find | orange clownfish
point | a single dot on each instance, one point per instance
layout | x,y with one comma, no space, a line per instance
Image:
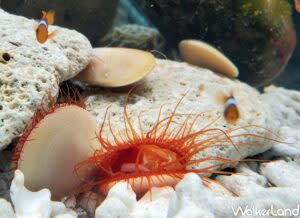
42,28
231,112
297,5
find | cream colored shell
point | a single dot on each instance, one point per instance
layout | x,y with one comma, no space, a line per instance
116,67
60,141
203,55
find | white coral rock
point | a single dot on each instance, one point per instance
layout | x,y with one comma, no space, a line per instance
192,199
282,173
254,191
118,203
35,204
32,70
188,200
285,106
121,202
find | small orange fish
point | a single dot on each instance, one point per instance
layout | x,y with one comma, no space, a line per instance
231,111
297,5
42,28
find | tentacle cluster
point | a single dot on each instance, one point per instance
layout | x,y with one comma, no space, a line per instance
167,150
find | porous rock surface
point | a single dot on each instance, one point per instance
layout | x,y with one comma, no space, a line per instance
29,70
285,107
167,83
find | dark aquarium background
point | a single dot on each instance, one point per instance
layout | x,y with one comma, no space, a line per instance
290,76
259,36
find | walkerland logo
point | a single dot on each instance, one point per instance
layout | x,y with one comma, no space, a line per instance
272,211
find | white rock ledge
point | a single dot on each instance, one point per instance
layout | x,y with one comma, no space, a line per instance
285,108
33,69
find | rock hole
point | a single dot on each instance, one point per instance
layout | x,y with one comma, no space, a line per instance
24,84
6,56
182,83
37,87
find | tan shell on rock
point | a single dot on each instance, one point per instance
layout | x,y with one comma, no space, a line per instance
58,142
203,55
116,67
